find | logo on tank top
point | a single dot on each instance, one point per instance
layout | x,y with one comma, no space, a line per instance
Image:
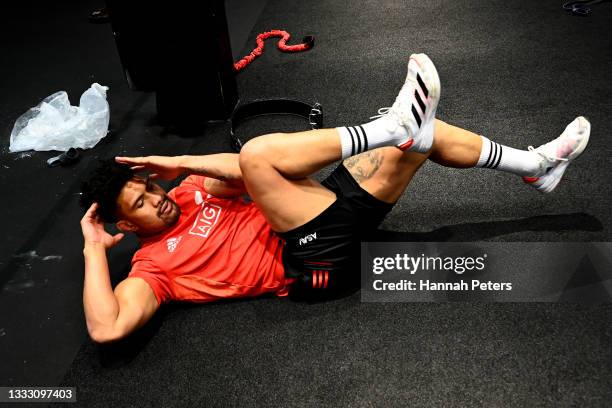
206,220
172,243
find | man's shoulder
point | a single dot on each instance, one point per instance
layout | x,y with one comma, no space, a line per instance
148,250
144,261
160,252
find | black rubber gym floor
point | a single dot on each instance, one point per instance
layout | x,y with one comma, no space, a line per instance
516,71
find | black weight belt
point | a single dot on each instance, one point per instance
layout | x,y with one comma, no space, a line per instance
313,113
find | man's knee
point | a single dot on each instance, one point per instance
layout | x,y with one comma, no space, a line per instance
255,151
260,151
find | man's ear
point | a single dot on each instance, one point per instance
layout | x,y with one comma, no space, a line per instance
126,226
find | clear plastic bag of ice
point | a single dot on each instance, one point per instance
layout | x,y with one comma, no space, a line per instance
56,125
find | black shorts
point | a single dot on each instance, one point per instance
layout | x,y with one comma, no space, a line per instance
325,252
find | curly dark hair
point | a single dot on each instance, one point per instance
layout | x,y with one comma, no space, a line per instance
103,186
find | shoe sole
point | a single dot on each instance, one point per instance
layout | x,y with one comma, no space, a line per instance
584,142
551,183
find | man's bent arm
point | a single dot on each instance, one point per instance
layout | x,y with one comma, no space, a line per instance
112,315
222,170
224,177
220,166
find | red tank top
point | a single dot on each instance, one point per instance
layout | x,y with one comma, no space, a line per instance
219,248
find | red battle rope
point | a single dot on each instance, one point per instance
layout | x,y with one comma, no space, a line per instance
308,43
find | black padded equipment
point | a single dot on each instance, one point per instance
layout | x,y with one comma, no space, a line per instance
259,107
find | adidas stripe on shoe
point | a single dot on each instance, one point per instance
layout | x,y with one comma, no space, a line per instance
416,104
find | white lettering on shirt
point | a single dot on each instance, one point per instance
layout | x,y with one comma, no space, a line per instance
206,220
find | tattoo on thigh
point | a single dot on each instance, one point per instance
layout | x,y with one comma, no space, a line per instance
364,165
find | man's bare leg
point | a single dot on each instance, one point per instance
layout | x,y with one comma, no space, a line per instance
455,147
386,172
275,168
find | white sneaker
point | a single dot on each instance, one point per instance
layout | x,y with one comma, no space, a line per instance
557,155
415,105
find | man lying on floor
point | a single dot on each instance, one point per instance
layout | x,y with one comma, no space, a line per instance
204,240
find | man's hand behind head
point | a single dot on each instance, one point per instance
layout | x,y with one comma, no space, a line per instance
94,232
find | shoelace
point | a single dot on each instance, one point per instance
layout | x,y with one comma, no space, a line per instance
400,112
381,112
400,115
547,157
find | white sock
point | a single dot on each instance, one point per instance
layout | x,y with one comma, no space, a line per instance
358,139
504,158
